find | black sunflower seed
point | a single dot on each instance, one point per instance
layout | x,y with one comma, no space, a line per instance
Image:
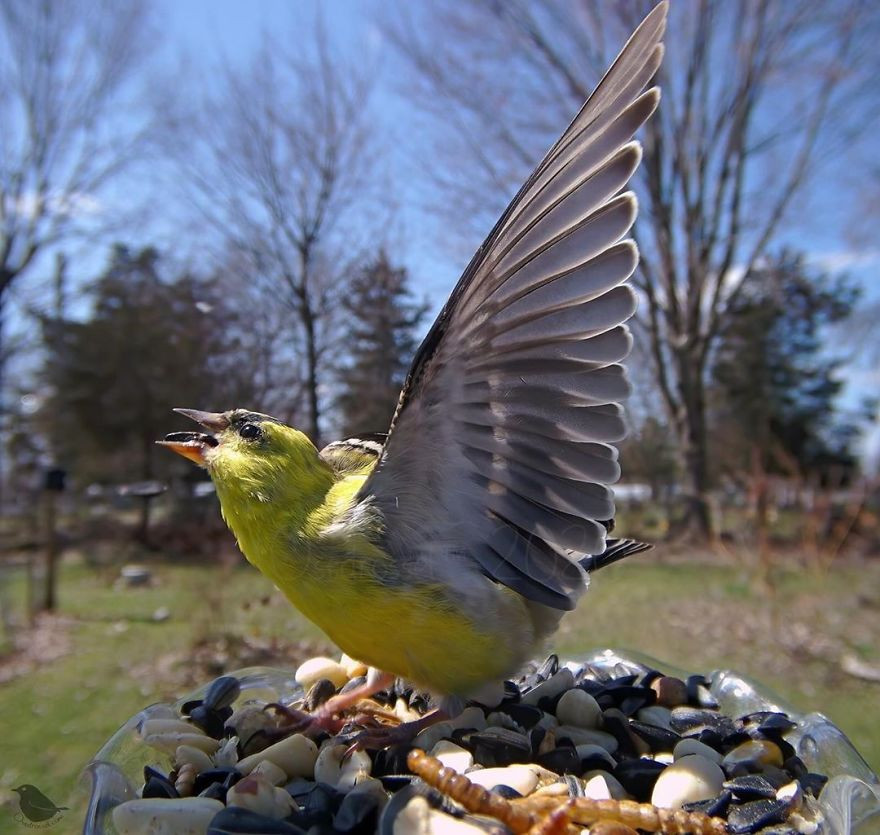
714,806
750,787
638,776
750,817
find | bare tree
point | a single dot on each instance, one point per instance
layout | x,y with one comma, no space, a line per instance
63,67
277,161
756,94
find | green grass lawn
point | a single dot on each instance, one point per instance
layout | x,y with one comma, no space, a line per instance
117,659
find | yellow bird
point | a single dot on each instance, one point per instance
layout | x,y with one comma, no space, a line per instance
448,550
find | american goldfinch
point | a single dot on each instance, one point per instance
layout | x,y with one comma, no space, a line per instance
447,550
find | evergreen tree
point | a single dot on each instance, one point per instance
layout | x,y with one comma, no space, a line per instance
150,344
383,320
776,382
648,454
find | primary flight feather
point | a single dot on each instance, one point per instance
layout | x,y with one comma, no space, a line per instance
448,550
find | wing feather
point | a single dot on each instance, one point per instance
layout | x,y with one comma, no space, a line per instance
578,321
565,355
499,456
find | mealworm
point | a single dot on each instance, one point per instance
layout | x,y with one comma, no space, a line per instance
525,814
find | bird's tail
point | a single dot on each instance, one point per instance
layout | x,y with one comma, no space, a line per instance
615,549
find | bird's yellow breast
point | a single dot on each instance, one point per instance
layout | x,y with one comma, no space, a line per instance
347,585
415,631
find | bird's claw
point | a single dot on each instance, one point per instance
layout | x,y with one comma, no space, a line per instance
309,724
376,738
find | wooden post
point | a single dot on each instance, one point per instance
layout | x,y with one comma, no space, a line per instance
54,485
31,601
49,595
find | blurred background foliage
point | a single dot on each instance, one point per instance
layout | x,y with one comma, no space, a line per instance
275,227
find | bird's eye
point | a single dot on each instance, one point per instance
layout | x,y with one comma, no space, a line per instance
250,431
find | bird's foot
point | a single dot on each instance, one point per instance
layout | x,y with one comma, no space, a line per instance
384,736
303,722
330,716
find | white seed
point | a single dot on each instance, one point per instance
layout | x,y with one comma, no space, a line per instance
317,668
453,756
165,816
404,712
296,755
419,818
806,826
167,726
328,765
523,778
600,785
791,793
552,790
186,778
167,734
273,773
355,769
687,780
353,668
553,686
578,708
193,756
256,793
686,747
168,743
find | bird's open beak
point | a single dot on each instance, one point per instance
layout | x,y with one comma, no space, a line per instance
193,445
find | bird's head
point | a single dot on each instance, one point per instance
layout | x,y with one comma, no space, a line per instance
254,460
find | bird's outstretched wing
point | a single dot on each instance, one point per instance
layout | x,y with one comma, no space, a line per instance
500,443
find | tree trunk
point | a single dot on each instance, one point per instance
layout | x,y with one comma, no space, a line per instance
142,532
690,425
312,375
760,508
699,522
4,281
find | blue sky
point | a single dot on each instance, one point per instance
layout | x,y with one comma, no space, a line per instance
211,30
208,28
208,32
